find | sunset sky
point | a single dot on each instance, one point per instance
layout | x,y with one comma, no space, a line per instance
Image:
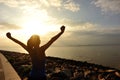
88,22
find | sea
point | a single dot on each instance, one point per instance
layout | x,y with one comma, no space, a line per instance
108,56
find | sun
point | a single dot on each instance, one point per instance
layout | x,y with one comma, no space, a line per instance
39,22
36,27
36,21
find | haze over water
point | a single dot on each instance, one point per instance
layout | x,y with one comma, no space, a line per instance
104,55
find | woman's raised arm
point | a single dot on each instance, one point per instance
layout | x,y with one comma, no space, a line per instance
55,37
16,41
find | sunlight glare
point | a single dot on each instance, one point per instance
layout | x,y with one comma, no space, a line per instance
37,27
38,22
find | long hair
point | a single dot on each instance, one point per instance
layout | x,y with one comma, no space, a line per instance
34,41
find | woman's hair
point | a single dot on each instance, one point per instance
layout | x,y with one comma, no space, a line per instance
34,41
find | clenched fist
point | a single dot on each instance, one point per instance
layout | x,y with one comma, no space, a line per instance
8,34
62,28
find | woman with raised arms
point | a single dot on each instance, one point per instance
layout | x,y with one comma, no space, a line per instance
37,53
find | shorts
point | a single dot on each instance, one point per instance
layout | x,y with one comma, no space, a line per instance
37,75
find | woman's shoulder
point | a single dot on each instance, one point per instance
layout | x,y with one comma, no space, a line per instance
42,47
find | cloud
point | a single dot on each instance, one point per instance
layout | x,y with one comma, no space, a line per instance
55,3
108,6
84,33
10,3
20,3
92,37
88,27
61,4
8,26
72,6
77,25
38,4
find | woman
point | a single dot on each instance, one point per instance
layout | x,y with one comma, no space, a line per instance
37,53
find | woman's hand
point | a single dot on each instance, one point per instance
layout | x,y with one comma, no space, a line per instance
8,34
62,28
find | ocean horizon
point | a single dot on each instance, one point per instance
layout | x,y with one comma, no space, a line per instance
108,56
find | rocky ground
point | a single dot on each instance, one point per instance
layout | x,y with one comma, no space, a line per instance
73,70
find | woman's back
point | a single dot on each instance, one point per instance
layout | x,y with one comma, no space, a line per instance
37,53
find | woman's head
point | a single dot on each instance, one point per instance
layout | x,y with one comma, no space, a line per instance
34,41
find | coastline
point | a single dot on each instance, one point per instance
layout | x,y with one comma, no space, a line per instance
22,64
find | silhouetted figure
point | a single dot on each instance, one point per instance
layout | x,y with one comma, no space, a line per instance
37,53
